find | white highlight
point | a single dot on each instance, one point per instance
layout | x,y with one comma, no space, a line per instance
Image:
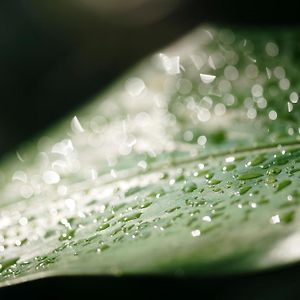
207,78
76,125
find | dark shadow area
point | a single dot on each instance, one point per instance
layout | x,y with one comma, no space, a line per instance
274,285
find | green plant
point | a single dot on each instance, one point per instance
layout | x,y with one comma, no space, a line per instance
188,165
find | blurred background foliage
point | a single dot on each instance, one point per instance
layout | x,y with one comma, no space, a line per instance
55,55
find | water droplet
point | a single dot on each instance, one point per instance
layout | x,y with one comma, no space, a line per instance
230,159
269,73
244,190
229,167
283,184
275,219
134,86
231,73
19,176
67,235
209,175
145,204
206,78
103,226
214,182
249,175
274,171
257,160
170,64
288,217
102,248
51,177
5,264
272,115
172,209
272,49
195,233
206,218
76,125
130,217
189,187
294,97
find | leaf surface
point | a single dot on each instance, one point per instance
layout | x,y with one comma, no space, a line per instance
189,164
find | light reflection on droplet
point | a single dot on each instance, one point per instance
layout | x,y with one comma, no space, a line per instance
62,190
51,177
224,86
202,140
290,106
170,64
294,97
275,219
220,109
203,115
206,218
229,99
19,176
231,73
279,72
195,233
211,63
23,221
65,147
188,136
201,166
251,71
184,86
20,158
269,73
273,115
230,159
272,49
291,131
251,113
197,61
26,191
257,90
70,204
76,125
261,102
207,78
142,164
226,36
284,84
134,86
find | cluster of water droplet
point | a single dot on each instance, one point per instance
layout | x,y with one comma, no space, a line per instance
110,176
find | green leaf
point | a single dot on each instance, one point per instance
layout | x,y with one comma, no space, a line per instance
188,165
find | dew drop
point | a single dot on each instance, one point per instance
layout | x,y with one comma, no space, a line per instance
134,86
272,49
272,115
206,78
249,175
257,160
76,125
130,217
275,219
103,226
189,187
283,184
244,190
170,64
51,177
195,233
